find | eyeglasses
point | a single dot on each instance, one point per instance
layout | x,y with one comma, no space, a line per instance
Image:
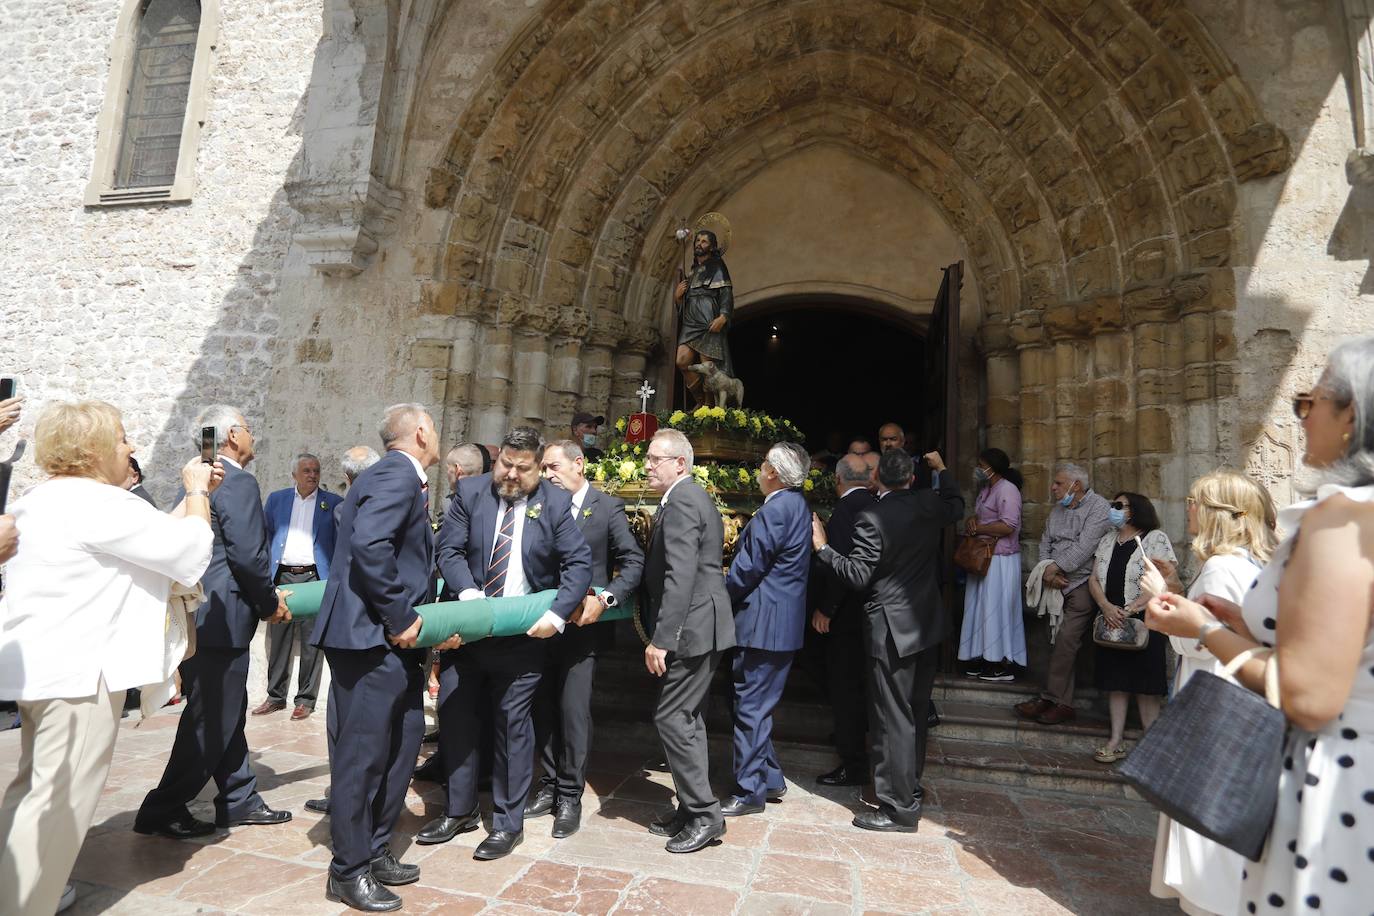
1302,403
652,461
1190,501
1119,504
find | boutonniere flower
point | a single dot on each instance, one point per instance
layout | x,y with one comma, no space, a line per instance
324,504
587,512
533,511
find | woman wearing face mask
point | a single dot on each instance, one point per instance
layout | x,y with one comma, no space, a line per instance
1230,521
993,635
1115,588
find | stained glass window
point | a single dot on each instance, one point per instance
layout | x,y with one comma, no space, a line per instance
164,50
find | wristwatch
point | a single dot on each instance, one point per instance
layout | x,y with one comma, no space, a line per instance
608,599
1207,630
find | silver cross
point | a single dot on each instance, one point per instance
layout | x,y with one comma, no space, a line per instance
644,392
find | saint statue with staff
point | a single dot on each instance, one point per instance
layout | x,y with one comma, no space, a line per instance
707,304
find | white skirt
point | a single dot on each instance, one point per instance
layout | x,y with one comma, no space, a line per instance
994,628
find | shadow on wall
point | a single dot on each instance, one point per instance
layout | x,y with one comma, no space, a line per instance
238,352
1352,239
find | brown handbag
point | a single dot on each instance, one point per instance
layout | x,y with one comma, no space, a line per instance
974,554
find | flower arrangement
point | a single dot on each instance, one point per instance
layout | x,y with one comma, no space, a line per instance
615,472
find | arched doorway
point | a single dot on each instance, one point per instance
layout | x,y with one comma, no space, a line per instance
835,368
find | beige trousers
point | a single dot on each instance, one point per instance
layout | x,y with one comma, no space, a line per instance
65,751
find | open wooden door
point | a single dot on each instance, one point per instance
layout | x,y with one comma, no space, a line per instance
944,425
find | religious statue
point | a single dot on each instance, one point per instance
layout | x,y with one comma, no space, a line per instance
707,302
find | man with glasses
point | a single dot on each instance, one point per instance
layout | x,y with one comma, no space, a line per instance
690,623
239,593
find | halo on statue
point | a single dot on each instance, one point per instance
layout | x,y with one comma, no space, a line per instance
717,223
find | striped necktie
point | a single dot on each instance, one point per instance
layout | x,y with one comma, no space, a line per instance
500,554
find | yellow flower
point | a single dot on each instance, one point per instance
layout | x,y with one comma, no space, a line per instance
718,413
808,484
638,449
743,475
740,418
676,417
702,474
620,424
769,422
757,426
600,474
815,472
626,470
702,412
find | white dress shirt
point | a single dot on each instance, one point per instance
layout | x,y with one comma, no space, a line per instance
579,498
299,549
663,500
87,593
516,585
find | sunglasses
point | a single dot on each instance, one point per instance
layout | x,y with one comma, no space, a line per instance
1302,403
1120,504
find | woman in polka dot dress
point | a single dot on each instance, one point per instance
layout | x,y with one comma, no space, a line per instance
1312,603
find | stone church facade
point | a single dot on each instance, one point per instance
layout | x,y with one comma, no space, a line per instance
1160,205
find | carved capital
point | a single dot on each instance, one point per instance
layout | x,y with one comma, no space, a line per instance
1359,167
995,339
1027,329
1066,320
574,322
344,221
1148,304
640,338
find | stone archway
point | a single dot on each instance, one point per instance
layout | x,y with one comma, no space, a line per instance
1087,153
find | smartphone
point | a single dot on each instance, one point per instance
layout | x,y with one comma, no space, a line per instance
207,444
9,387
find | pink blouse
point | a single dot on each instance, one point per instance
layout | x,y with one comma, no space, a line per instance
1001,502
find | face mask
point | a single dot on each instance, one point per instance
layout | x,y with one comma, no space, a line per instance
1117,517
589,440
1067,500
980,475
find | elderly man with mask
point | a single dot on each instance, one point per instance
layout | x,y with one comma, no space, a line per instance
1077,522
461,461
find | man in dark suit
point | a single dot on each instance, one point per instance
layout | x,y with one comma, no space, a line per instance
507,533
300,524
382,569
894,560
563,711
238,593
839,620
767,585
134,483
689,622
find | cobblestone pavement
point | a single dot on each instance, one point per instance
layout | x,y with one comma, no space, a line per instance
980,849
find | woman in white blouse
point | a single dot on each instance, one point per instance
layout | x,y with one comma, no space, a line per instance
1231,523
82,620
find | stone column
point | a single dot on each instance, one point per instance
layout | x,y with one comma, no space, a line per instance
464,303
1157,341
636,343
492,385
1036,371
1002,369
597,365
532,327
1113,398
565,371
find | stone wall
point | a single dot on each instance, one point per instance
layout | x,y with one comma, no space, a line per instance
157,309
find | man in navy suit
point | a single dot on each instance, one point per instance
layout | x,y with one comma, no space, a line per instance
767,586
507,533
382,569
300,524
564,714
238,593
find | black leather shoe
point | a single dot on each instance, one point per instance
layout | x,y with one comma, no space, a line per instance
178,828
879,820
443,829
260,816
542,802
430,737
430,770
843,776
737,807
568,818
361,893
696,836
932,717
388,870
498,844
775,795
667,823
320,805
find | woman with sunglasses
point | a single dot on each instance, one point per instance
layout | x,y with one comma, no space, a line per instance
1312,602
1115,587
1231,523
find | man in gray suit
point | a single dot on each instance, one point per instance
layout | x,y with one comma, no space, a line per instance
690,623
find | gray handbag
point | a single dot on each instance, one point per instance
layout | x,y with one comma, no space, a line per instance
1132,635
1212,759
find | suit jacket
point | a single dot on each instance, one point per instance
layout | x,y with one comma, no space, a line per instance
383,562
895,560
552,550
841,604
143,494
688,609
768,577
278,513
238,582
607,532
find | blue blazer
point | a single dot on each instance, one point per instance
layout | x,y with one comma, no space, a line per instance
278,512
383,563
552,550
238,582
767,579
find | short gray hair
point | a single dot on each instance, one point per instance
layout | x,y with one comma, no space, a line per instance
354,463
678,445
852,469
468,457
400,420
790,461
303,456
570,449
223,418
1349,376
1074,471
